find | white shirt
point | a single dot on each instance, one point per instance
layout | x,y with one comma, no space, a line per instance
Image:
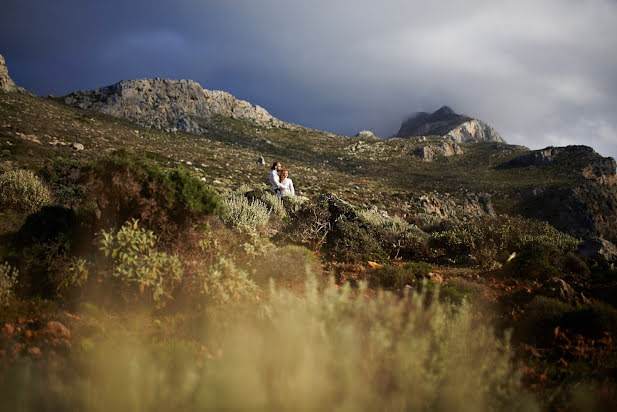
288,188
275,180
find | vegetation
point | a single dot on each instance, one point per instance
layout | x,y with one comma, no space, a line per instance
22,191
138,266
8,280
182,280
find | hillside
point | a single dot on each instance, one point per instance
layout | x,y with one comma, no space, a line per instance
138,240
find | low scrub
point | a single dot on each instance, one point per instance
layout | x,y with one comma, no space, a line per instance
240,213
288,266
329,350
8,281
141,270
484,240
543,314
224,282
22,191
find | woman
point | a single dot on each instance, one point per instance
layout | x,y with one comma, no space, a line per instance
287,188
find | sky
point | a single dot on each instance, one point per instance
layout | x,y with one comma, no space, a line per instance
540,72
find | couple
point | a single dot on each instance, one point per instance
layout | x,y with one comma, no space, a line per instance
280,181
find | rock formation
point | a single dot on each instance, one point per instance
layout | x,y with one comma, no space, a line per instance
445,122
586,209
365,134
6,83
429,152
169,104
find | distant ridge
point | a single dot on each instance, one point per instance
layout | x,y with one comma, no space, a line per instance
169,104
445,122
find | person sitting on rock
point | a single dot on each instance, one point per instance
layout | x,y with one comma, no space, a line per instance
287,183
275,180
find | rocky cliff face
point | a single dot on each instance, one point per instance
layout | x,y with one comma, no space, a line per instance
587,209
445,122
431,151
169,104
6,83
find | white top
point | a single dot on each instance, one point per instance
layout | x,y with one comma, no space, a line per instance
288,188
275,180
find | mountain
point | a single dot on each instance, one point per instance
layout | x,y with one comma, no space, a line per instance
573,188
6,83
169,104
445,122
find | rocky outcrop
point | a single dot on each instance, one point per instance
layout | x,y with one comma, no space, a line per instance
431,151
588,206
580,159
169,104
365,134
6,83
445,122
444,206
599,249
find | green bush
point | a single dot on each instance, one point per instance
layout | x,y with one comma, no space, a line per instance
486,239
543,314
22,191
350,242
137,264
121,185
396,277
224,282
392,277
238,212
397,237
8,281
287,266
543,261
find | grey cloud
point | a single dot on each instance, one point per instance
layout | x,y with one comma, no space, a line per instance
540,72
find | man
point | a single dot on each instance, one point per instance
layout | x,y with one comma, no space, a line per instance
275,179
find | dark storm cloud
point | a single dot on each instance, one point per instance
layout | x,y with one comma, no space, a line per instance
540,72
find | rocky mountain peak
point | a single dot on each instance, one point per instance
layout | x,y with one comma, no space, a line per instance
6,83
446,122
169,104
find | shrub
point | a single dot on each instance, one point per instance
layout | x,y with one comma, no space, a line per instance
396,277
293,203
226,283
488,238
273,202
121,186
22,191
543,314
238,212
138,265
349,242
287,266
392,277
330,350
8,281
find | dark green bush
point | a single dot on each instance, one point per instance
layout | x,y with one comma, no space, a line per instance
484,240
350,242
392,277
121,185
543,314
396,277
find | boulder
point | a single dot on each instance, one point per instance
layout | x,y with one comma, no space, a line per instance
365,134
431,151
600,249
77,146
560,289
